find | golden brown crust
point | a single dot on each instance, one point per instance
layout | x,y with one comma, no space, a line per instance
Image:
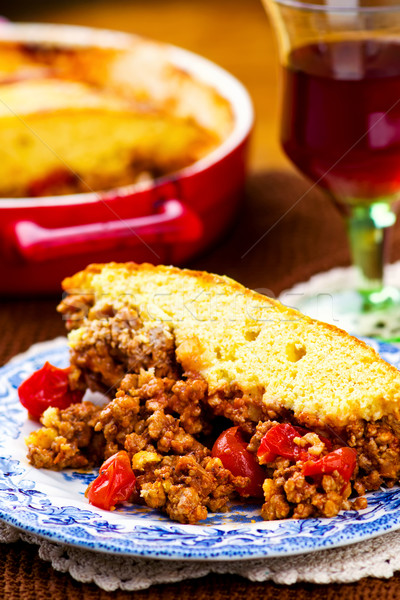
82,279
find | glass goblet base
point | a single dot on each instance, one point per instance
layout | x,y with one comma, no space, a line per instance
375,315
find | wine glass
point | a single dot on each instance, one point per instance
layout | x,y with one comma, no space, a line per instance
341,127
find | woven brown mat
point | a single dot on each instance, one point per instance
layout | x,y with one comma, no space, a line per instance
24,576
292,235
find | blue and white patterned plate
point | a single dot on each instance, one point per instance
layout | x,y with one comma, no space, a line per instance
53,505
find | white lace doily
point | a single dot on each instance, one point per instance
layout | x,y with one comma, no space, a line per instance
377,557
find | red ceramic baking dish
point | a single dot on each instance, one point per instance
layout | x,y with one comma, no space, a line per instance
166,220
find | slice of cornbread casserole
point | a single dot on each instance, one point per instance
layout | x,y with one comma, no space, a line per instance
187,357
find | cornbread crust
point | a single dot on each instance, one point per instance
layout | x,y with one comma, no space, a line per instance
237,339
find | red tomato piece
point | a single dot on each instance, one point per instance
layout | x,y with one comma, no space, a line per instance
115,484
231,449
342,460
49,386
279,441
302,431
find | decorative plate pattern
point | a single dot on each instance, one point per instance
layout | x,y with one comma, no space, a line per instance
53,505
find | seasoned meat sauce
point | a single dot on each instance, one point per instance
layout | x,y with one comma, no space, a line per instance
164,419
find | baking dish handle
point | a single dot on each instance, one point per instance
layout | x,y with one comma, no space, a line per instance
174,223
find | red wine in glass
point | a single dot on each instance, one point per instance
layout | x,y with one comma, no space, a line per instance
341,116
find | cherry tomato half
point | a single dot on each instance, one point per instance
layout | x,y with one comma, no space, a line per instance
342,460
279,441
231,449
49,386
115,484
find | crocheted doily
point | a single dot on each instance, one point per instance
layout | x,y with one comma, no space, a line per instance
377,557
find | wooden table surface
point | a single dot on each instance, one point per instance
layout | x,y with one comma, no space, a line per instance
304,238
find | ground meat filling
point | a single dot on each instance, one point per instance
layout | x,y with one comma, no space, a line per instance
117,343
156,414
240,408
289,493
185,488
162,422
155,420
378,451
67,439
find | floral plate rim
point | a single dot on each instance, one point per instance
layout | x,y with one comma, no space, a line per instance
27,504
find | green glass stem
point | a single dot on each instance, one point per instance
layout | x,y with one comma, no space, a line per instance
367,228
